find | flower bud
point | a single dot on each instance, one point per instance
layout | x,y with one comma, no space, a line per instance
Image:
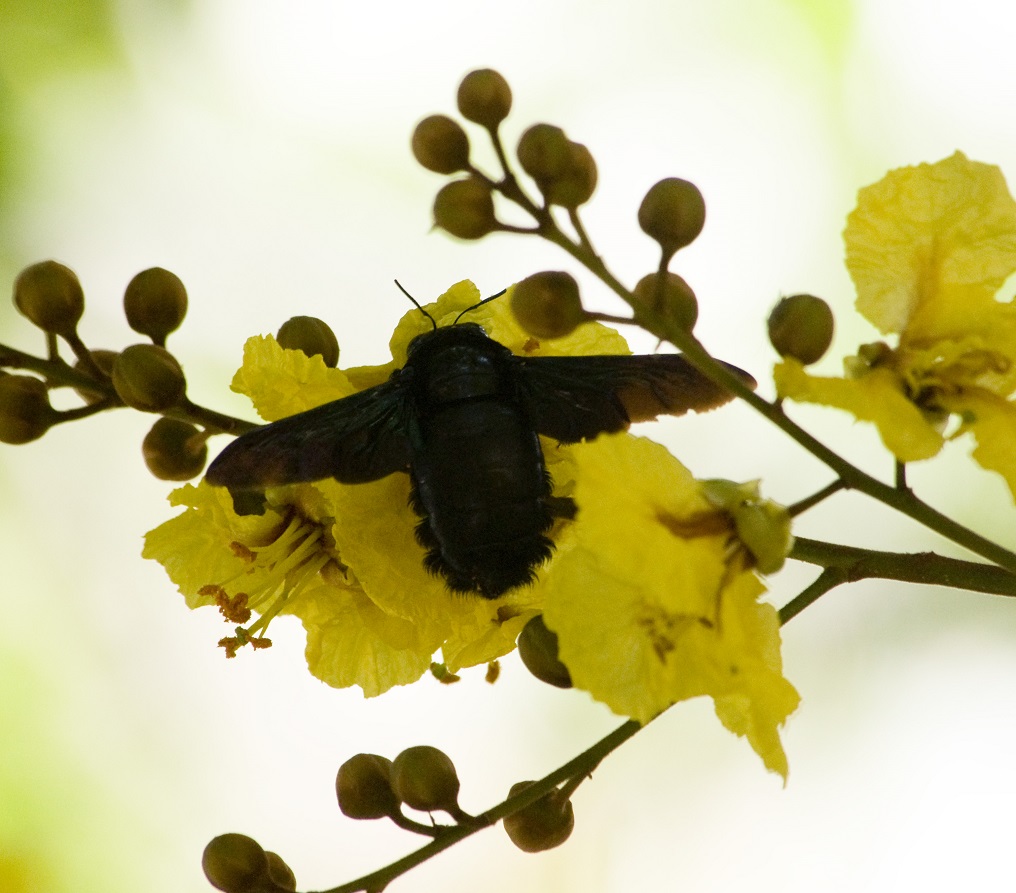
234,863
673,213
279,872
25,410
675,302
148,377
364,787
155,303
484,98
174,450
50,295
424,778
538,650
544,153
801,326
465,208
542,825
762,526
311,335
547,304
576,183
441,145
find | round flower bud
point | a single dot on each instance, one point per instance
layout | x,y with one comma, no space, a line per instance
762,526
174,450
364,787
576,182
465,208
547,304
545,153
675,302
542,825
424,778
234,863
311,335
538,650
441,145
279,872
673,213
25,411
801,326
50,295
155,303
104,359
148,377
484,98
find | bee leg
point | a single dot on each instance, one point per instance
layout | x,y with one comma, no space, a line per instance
563,507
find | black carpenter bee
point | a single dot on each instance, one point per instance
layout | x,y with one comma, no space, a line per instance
462,418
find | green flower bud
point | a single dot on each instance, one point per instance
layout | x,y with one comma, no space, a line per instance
548,304
104,359
279,872
25,410
544,153
311,335
364,787
155,303
762,526
673,213
440,144
149,378
576,183
675,302
234,863
424,778
542,825
465,208
485,98
50,295
801,326
538,650
174,450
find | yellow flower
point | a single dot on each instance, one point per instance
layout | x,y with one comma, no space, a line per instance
656,602
344,558
929,248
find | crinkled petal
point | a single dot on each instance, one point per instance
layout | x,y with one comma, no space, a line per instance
649,609
992,421
874,397
350,641
929,246
284,382
194,547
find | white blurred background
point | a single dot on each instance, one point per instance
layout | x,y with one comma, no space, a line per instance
260,150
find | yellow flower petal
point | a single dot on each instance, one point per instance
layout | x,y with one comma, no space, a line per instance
652,605
929,246
350,641
992,421
284,382
874,397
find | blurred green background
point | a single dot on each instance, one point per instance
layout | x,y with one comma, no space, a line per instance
260,150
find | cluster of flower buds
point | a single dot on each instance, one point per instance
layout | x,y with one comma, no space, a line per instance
143,376
369,786
236,863
548,304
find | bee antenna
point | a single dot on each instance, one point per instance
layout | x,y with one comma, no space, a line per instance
480,304
417,304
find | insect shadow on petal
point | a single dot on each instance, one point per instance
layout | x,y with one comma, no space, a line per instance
462,418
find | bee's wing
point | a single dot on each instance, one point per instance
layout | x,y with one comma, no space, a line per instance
575,398
357,439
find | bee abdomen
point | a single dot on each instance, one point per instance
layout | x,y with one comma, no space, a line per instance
480,487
